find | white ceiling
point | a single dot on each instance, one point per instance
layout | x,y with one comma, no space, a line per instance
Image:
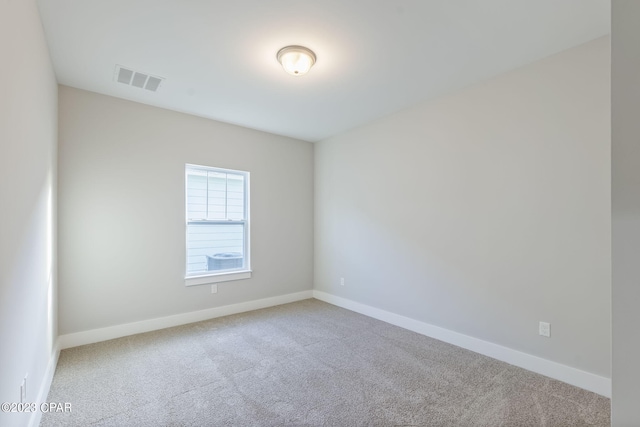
375,57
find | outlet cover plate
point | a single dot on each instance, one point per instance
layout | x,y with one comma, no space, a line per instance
545,329
23,390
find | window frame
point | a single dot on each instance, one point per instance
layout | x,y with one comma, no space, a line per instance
209,277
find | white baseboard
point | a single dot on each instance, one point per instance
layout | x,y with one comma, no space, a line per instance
45,385
558,371
117,331
573,376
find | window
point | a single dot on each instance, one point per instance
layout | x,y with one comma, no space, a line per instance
217,225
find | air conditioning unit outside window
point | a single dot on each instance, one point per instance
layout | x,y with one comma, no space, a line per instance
224,261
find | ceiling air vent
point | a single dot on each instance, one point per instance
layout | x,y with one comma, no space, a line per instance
138,79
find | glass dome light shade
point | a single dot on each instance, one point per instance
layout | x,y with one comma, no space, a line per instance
296,60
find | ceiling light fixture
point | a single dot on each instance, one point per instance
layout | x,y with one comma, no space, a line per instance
296,60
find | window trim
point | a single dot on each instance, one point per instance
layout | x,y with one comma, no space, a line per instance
208,279
224,275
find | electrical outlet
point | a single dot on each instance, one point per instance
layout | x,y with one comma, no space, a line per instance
545,329
214,289
23,389
342,281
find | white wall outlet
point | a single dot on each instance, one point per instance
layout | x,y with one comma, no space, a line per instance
23,389
214,289
544,329
342,281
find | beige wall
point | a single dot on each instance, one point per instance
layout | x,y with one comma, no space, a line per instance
626,212
483,212
28,123
121,225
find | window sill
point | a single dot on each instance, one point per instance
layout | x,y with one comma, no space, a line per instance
217,278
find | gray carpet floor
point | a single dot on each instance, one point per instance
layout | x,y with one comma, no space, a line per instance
304,364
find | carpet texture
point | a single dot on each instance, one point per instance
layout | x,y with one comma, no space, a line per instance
304,364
